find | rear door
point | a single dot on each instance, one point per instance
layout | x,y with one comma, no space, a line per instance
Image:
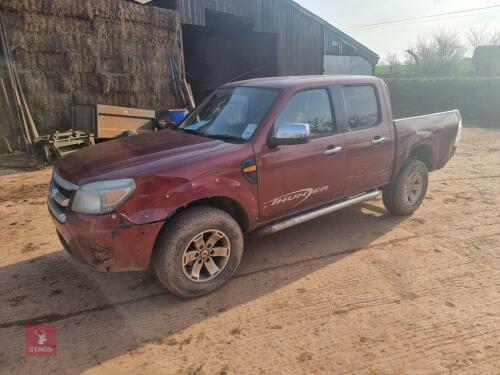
369,139
297,177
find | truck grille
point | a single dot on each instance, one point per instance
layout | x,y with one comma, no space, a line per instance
61,193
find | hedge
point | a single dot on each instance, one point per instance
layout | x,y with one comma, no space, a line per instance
478,99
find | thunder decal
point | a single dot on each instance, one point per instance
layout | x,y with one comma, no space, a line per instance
297,197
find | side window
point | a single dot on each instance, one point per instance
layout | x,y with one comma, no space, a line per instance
310,107
361,107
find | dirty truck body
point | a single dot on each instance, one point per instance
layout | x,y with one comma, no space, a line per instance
257,156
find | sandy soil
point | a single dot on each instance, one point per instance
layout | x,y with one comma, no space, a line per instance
359,291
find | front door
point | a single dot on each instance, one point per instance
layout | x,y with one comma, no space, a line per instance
297,177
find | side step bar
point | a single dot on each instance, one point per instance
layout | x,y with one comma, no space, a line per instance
285,224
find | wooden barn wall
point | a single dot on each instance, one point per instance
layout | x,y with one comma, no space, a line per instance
264,12
329,37
300,43
295,27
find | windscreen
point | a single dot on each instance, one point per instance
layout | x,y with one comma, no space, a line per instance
232,113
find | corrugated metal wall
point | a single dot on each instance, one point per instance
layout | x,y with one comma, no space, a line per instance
300,44
296,28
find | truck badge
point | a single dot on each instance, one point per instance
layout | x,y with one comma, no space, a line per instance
299,196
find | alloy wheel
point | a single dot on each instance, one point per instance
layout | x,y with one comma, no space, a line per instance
206,255
413,188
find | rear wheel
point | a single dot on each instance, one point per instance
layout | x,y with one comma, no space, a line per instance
198,251
404,195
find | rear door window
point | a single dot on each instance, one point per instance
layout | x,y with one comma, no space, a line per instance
361,107
310,107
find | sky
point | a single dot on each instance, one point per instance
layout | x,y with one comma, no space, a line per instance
395,38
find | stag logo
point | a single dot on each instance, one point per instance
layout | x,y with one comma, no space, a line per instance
297,197
40,340
42,336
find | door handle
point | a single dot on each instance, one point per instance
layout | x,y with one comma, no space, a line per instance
332,150
378,140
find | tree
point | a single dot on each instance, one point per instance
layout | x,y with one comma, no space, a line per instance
495,39
437,55
477,35
448,50
392,61
481,35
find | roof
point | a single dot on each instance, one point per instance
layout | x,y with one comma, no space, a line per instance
303,81
487,51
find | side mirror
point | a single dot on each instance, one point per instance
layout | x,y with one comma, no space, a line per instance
291,134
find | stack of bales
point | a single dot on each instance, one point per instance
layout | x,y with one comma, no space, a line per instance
92,51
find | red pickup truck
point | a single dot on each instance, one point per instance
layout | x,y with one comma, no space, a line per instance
256,156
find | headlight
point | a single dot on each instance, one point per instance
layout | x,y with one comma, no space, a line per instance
102,197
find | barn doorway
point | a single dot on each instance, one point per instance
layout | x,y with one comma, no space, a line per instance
224,49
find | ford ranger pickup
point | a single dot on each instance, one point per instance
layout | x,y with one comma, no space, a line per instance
256,156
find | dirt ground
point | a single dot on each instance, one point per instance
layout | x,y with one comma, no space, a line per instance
358,291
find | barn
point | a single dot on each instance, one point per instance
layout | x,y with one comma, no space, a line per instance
224,39
117,52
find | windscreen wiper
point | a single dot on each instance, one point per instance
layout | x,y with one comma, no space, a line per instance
222,137
225,137
191,131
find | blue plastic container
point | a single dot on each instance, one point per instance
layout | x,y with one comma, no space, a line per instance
177,115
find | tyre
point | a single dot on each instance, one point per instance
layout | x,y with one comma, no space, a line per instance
198,251
404,195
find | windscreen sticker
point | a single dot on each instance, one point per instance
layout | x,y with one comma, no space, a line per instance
250,129
197,125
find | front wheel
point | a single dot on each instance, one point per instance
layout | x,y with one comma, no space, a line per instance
404,195
198,251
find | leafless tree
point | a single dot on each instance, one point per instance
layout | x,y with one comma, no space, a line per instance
393,62
437,55
392,59
495,39
481,35
447,48
477,35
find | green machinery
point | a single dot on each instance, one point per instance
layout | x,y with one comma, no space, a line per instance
56,145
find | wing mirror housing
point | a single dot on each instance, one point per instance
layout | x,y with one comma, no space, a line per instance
291,134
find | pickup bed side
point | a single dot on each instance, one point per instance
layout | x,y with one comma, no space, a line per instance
430,138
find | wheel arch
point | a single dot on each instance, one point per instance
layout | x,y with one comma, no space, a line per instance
226,204
424,153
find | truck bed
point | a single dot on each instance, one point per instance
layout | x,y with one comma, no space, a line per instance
439,132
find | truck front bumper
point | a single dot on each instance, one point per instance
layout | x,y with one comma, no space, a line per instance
108,243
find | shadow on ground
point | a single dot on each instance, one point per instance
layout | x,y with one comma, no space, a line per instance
102,316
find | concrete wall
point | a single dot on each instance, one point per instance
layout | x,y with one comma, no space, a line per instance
91,51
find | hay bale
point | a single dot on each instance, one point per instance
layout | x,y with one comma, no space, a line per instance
92,51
